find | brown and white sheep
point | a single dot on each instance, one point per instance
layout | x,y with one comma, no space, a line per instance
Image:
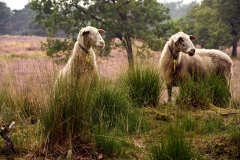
181,60
83,59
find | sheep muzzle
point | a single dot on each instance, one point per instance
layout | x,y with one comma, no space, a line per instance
191,52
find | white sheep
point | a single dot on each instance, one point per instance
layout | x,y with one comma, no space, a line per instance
83,59
180,60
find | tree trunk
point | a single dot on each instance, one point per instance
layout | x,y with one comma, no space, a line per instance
234,49
234,44
128,45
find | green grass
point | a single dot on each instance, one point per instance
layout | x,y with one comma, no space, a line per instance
207,125
144,85
81,111
174,146
210,89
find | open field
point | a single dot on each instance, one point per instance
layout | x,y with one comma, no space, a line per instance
25,69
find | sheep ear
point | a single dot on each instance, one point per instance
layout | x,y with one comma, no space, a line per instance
192,37
101,31
176,38
84,31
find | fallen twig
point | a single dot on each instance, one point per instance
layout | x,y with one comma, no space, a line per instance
10,151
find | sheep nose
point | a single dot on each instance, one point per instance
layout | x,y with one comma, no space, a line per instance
102,42
193,50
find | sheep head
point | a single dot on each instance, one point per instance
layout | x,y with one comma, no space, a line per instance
91,37
183,43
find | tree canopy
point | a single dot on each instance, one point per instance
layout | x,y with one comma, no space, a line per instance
5,14
19,22
22,22
127,20
215,23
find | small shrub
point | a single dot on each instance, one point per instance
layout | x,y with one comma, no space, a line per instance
144,85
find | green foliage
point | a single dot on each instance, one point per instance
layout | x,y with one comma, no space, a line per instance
115,17
210,89
211,27
175,146
60,49
144,85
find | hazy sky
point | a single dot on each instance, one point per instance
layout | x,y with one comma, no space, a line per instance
19,4
15,4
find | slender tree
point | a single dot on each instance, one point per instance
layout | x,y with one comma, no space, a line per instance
127,20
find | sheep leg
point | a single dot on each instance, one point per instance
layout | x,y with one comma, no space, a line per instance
169,89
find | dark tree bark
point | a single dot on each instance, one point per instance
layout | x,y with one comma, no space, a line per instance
126,40
234,49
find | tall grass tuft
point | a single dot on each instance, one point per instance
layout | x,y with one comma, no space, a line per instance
219,91
66,115
81,111
176,146
113,108
144,85
198,94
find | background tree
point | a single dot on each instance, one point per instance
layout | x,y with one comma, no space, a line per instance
127,20
5,13
22,22
229,13
210,22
